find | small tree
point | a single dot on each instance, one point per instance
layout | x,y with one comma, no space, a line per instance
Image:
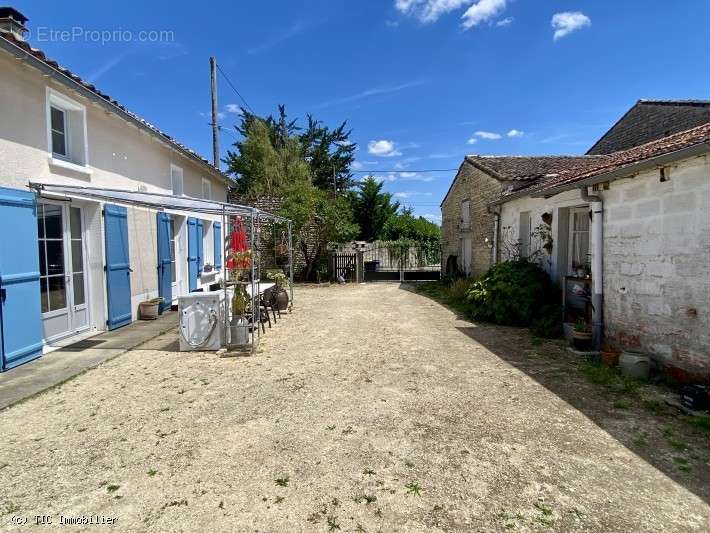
317,220
372,208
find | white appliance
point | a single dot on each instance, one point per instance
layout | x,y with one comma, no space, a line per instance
201,317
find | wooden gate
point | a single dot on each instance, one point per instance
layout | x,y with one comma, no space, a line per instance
344,264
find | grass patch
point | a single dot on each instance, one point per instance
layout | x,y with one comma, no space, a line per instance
610,378
622,403
152,472
682,464
112,488
369,472
332,523
413,488
700,422
282,481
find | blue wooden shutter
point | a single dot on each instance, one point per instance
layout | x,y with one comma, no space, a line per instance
192,253
200,245
165,267
20,311
118,266
217,245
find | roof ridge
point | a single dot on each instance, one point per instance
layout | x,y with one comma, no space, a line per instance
40,56
666,139
671,101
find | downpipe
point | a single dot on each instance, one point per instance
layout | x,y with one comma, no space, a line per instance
597,241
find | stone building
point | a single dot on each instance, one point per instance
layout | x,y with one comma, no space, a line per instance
625,233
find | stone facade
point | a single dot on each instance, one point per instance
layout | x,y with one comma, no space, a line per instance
479,188
656,260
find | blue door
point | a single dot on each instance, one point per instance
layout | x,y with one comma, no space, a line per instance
192,253
118,266
200,246
165,266
20,311
217,228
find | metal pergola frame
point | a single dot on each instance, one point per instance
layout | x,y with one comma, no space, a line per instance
163,202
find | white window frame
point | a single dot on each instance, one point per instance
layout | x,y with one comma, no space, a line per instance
77,158
67,138
206,183
570,243
525,233
181,173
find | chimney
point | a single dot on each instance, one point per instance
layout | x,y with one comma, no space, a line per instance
12,21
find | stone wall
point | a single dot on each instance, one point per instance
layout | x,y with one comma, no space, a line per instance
480,188
657,264
269,236
656,260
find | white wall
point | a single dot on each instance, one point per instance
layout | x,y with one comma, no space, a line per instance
120,156
656,259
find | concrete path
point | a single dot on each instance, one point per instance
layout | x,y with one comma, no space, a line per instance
62,364
370,408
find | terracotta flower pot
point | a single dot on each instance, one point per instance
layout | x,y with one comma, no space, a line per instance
582,340
610,358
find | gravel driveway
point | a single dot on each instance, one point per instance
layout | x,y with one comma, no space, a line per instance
370,408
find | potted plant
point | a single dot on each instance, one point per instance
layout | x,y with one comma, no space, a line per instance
149,308
239,265
582,336
280,293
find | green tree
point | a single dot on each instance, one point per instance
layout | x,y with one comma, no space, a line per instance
326,153
406,226
317,220
329,154
372,208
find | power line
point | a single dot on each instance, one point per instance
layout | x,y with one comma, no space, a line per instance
229,82
397,171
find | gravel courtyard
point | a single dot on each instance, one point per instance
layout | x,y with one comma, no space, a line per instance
370,408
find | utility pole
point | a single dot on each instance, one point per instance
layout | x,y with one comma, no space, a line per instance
215,125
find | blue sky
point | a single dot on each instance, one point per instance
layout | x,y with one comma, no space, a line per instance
421,82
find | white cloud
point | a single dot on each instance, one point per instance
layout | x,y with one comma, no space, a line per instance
515,133
488,135
482,11
567,22
356,165
504,22
472,140
381,178
234,108
431,217
414,176
428,10
375,91
383,148
409,194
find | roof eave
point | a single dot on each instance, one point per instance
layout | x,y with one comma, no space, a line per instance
627,170
48,70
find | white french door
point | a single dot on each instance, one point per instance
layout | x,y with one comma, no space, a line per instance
63,275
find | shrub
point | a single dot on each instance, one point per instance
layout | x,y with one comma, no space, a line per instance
514,293
548,322
458,289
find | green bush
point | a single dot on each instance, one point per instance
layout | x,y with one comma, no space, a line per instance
548,322
457,290
514,293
